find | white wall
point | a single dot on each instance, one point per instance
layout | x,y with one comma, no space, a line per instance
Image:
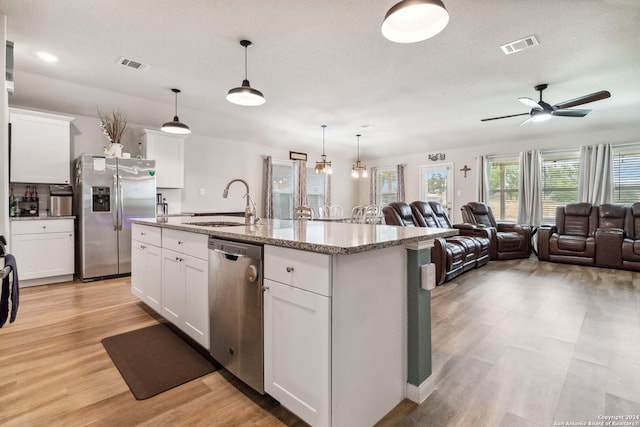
465,187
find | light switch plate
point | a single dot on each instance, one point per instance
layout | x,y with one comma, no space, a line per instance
428,279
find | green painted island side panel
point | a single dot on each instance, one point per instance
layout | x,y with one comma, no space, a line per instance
419,319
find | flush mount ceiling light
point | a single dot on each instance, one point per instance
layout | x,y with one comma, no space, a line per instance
47,57
323,166
175,126
245,94
357,170
412,21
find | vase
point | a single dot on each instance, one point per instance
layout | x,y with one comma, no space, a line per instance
114,150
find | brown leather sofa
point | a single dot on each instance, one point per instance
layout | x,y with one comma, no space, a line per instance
453,255
603,236
508,240
631,242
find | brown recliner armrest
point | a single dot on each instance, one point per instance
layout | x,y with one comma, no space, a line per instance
609,247
544,234
523,229
439,258
480,230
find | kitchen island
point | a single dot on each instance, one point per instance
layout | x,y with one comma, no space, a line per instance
346,322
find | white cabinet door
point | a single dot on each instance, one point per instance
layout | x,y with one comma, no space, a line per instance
44,255
196,314
49,136
297,351
173,286
168,152
146,274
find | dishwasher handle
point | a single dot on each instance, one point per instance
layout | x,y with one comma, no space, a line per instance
228,255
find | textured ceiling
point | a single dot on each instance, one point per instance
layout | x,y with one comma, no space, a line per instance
325,61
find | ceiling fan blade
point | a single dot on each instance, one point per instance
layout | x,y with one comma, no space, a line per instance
504,117
571,113
525,122
530,103
597,96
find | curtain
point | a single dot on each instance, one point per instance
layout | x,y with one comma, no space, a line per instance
482,179
327,191
400,190
529,191
595,179
301,194
372,186
267,187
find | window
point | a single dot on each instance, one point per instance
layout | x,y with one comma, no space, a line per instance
436,185
284,179
560,171
626,174
386,186
316,185
504,176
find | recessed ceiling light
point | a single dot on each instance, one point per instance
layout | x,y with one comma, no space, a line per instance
47,57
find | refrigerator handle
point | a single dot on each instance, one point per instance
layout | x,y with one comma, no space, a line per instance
114,198
120,204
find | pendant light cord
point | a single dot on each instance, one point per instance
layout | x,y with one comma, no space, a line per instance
176,103
323,127
358,136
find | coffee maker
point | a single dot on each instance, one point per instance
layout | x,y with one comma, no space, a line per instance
162,207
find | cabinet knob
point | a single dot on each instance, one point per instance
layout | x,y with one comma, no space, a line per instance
143,247
265,288
179,242
44,227
289,269
142,234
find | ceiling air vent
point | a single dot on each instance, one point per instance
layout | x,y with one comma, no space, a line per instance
133,64
518,45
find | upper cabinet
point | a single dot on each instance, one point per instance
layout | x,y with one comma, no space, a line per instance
168,152
40,147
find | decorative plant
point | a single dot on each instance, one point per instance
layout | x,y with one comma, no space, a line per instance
113,125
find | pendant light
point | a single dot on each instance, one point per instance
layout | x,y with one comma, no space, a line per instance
245,94
175,126
323,166
357,170
412,21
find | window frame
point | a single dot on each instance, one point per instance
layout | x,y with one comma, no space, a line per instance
631,173
500,211
377,199
569,157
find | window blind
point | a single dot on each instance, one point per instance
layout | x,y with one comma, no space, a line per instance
626,175
559,182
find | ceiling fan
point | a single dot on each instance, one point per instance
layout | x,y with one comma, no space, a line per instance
541,111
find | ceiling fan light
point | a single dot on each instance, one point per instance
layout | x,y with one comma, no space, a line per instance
540,116
176,127
411,21
245,95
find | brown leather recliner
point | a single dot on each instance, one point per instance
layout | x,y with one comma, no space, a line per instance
483,242
399,213
609,235
631,242
508,240
448,256
572,239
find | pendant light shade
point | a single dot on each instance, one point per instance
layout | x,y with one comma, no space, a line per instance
412,21
175,126
245,95
358,170
323,166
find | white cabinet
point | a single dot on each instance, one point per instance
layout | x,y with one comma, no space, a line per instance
297,332
40,147
168,152
185,283
146,265
44,250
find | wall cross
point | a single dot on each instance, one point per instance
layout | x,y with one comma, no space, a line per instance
465,169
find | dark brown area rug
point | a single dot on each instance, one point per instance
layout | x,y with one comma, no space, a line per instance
155,359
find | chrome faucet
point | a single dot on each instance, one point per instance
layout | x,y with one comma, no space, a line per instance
250,215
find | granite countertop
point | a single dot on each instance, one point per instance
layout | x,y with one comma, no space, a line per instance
39,218
314,236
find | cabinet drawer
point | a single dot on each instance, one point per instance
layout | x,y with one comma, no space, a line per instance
147,234
310,271
37,226
193,244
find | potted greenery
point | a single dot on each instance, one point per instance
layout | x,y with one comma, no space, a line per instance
113,126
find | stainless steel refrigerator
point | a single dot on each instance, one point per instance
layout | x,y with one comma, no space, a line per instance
107,193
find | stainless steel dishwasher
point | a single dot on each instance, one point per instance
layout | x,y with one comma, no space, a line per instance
235,309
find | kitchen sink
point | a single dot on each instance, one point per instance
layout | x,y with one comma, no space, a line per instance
215,223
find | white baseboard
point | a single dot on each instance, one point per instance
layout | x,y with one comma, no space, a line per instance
419,394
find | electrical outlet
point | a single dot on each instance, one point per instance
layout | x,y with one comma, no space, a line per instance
202,191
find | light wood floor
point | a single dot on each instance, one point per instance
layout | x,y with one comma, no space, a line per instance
516,343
